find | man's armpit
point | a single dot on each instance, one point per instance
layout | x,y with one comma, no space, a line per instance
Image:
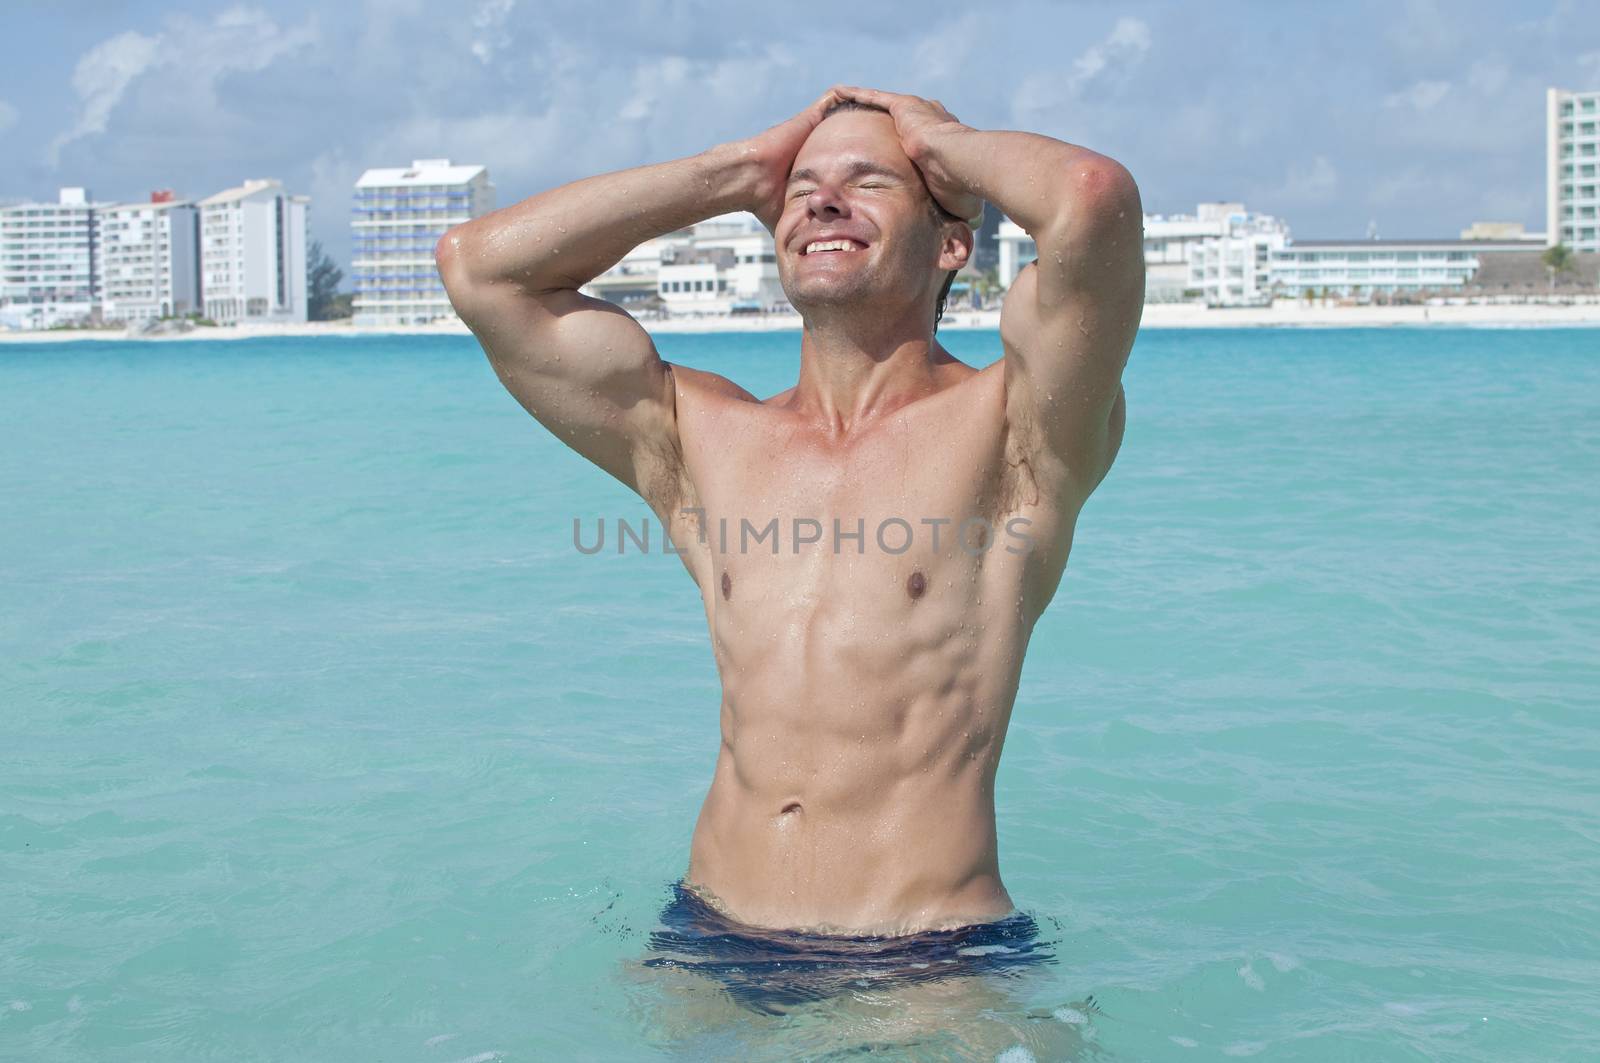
659,468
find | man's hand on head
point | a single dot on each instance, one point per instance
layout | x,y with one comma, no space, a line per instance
773,152
921,124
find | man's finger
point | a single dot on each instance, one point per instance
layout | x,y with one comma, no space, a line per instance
872,96
819,106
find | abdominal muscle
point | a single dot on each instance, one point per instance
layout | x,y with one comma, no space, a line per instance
858,797
865,698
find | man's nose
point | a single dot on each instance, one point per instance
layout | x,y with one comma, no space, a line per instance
825,201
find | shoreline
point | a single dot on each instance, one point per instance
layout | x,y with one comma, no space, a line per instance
1283,314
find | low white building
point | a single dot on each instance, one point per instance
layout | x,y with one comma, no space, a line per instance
398,216
1017,249
1498,230
150,255
1186,256
1361,269
723,265
634,283
694,280
1572,168
1235,267
1168,241
253,254
752,276
49,262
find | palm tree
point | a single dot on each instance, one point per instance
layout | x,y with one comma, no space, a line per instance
1557,259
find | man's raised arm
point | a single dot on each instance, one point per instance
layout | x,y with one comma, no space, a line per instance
583,367
1070,317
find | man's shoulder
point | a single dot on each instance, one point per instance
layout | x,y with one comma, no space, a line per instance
703,384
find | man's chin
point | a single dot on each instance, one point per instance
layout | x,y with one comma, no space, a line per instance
829,291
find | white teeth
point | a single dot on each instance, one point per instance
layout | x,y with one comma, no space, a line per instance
830,245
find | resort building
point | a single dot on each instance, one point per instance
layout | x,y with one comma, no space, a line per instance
1221,253
398,216
1211,254
1361,269
723,265
635,282
1572,179
1233,268
745,274
694,280
49,262
1016,248
150,255
253,254
1498,230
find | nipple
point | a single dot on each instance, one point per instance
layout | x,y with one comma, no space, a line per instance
916,585
727,587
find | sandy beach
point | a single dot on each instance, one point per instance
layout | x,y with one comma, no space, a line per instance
1282,314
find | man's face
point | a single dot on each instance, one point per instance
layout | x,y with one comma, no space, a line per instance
852,182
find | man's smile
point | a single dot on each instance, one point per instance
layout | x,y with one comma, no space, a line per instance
832,246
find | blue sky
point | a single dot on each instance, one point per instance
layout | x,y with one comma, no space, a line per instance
1418,116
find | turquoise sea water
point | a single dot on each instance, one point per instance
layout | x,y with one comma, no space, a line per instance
318,740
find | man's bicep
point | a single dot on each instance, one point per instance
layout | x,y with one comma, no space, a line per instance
587,371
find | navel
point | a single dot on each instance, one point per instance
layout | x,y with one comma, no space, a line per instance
916,585
727,587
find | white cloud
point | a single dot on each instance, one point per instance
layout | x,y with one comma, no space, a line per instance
1406,188
239,39
1421,96
8,116
727,93
100,78
1127,44
1589,67
1108,60
945,53
489,33
1488,76
1421,34
651,80
1315,183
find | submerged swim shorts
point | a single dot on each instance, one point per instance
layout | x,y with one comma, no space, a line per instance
770,970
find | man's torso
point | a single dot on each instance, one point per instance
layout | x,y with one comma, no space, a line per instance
868,677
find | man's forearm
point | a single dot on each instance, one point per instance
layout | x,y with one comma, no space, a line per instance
1034,180
568,236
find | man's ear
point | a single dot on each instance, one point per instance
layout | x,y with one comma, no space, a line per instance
957,246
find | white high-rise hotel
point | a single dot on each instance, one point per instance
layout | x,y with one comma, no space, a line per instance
1573,145
49,273
150,259
253,254
398,217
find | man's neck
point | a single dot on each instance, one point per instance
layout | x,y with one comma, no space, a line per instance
855,369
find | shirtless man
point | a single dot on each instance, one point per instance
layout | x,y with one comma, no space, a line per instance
866,687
